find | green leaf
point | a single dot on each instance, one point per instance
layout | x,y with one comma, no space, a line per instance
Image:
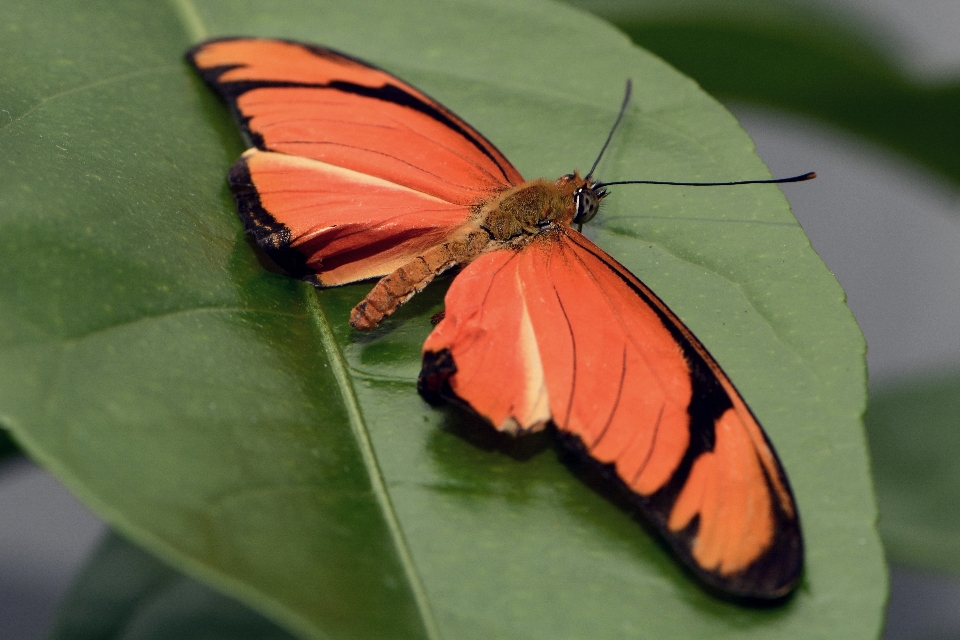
124,593
228,419
914,432
806,58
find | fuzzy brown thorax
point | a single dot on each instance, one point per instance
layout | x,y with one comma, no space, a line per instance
529,208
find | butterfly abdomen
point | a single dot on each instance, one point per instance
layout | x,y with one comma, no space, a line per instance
396,288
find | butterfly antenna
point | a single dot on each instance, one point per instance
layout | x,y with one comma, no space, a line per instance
623,110
806,176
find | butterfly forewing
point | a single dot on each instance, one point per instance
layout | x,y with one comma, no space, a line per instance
353,171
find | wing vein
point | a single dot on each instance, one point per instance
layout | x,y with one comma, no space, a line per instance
616,313
653,440
454,152
573,345
616,402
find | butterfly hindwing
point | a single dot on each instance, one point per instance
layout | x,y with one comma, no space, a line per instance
562,332
338,225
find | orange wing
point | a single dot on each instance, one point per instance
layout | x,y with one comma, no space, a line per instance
560,331
353,172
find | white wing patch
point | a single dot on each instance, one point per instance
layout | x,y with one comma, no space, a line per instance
534,413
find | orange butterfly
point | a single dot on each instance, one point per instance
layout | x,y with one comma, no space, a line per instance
355,174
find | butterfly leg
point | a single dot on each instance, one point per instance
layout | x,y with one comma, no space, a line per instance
396,288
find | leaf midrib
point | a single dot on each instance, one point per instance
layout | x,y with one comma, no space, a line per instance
196,31
340,370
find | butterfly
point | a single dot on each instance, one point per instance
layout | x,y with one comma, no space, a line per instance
354,174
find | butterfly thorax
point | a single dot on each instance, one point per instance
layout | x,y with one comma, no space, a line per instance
524,211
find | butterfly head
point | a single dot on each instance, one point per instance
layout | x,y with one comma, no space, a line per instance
586,196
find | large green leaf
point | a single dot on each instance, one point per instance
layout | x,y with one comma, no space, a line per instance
914,428
227,418
806,58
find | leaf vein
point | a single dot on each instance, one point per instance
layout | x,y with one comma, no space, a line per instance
341,372
167,314
42,102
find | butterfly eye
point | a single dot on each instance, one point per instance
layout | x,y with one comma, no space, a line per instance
587,204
